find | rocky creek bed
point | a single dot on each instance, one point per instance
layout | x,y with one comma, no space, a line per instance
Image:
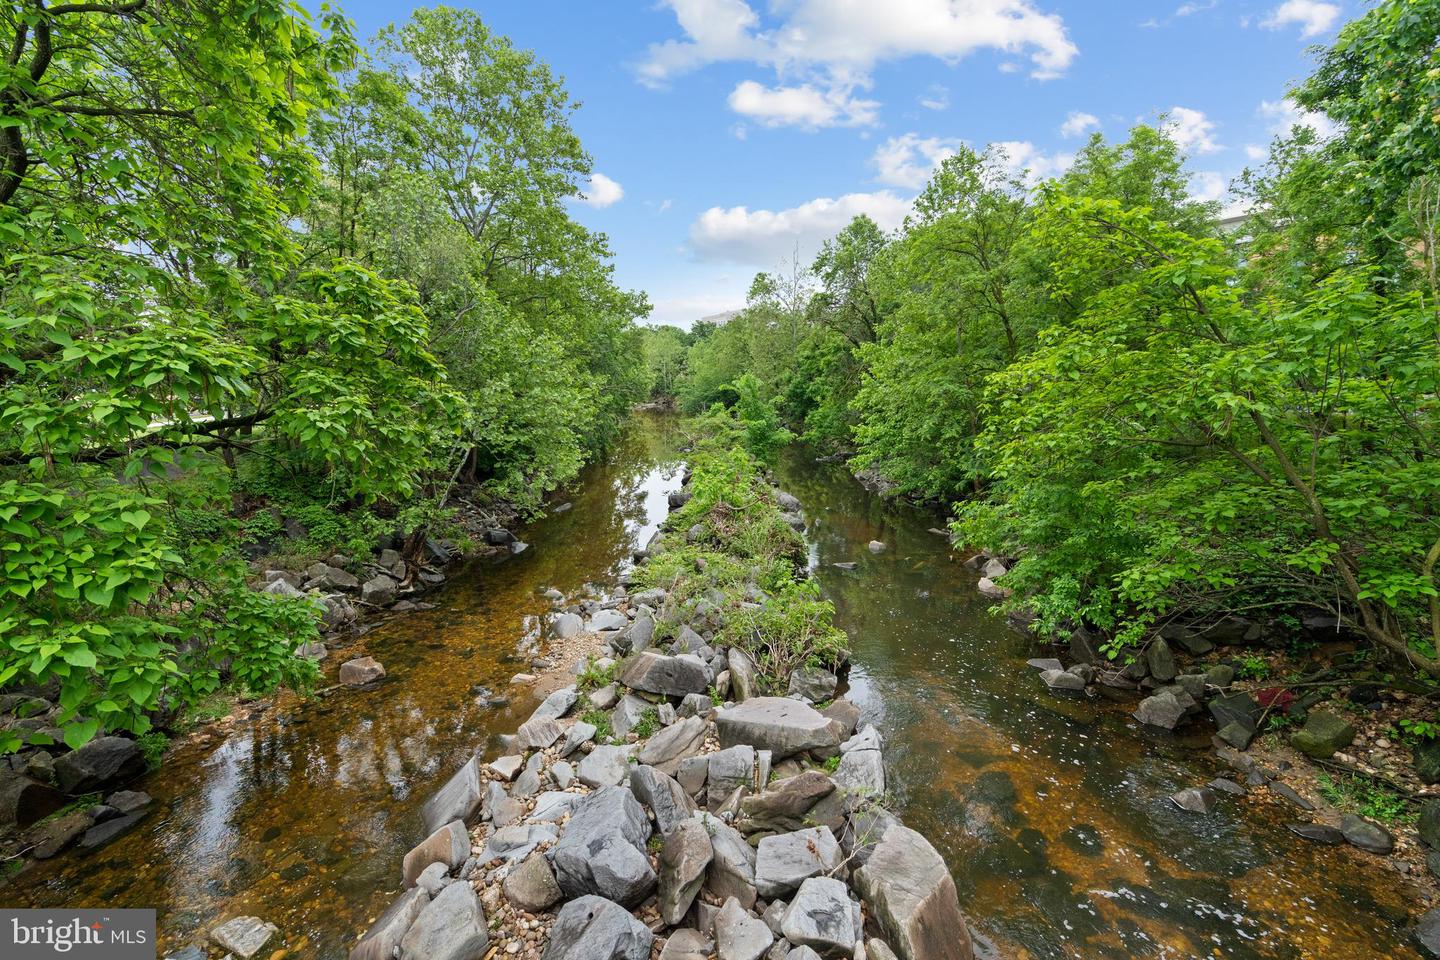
695,819
1053,812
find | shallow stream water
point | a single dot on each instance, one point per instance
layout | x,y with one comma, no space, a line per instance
1052,814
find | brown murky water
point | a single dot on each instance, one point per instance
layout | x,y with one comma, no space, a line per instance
302,814
1052,815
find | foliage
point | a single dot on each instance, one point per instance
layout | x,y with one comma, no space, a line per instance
1355,794
600,720
1252,667
648,723
746,553
792,630
170,318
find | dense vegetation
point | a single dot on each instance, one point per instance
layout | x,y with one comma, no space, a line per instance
731,546
1160,417
253,277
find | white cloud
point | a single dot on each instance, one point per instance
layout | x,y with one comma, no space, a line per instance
763,238
684,309
936,98
1189,9
1207,185
1285,114
908,161
846,36
1023,159
1313,17
1078,124
1191,130
601,192
1256,152
716,30
803,106
836,44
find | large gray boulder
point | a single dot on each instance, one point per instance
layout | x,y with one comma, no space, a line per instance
663,795
604,620
683,859
730,769
786,860
1163,710
672,676
673,744
778,724
812,683
862,766
459,799
516,842
532,886
603,849
385,934
449,845
821,918
593,928
740,936
605,766
743,683
627,713
103,762
566,625
732,864
911,895
688,944
637,637
450,927
537,734
557,704
244,936
784,804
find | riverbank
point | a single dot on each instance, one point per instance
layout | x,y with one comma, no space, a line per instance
763,806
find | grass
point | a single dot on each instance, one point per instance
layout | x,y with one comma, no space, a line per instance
832,764
79,803
648,723
1358,795
600,720
593,677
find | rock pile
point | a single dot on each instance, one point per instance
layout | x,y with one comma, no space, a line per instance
683,816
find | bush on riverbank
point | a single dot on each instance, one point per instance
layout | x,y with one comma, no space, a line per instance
1164,418
281,339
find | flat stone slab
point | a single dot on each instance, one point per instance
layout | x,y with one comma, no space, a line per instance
778,724
244,936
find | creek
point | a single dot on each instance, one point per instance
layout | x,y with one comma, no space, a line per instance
1052,814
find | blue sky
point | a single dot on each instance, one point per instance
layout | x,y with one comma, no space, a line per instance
727,133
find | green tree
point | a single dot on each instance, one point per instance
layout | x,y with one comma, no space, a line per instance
158,324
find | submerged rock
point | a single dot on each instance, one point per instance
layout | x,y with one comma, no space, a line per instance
1195,799
360,671
244,936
